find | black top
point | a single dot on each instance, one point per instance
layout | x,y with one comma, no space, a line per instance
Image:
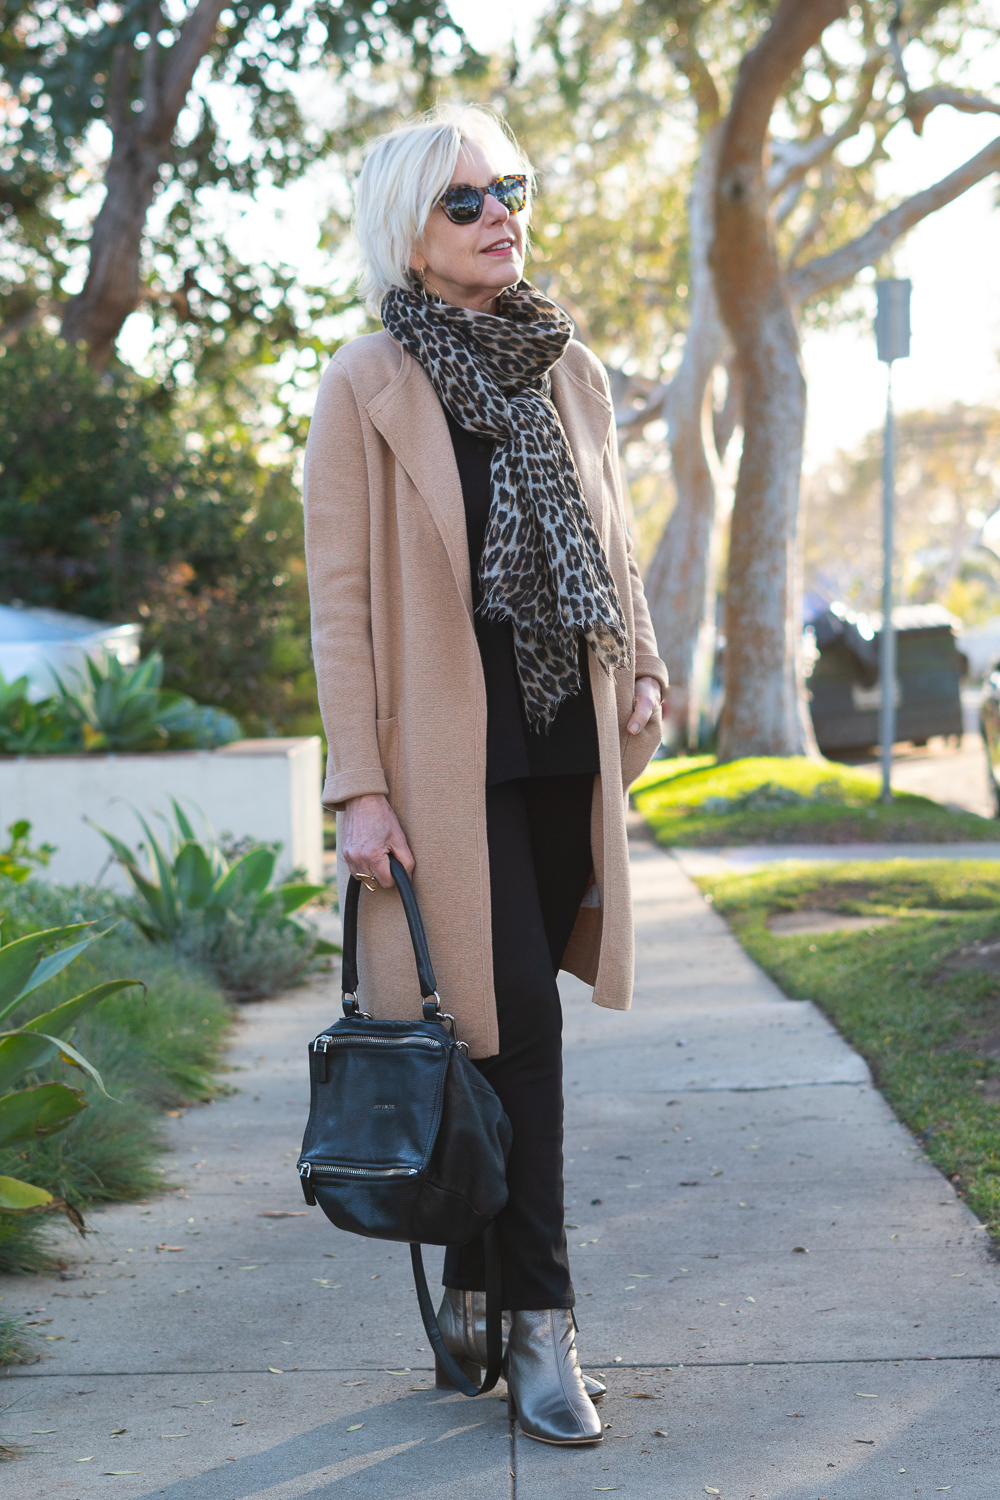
513,748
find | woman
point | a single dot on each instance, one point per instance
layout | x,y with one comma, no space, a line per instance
487,674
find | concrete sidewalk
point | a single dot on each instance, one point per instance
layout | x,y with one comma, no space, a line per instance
788,1301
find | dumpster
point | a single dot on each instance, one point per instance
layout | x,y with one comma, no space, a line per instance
844,685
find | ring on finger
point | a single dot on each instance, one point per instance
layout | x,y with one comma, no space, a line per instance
368,881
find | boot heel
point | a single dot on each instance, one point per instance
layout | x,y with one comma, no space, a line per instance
469,1369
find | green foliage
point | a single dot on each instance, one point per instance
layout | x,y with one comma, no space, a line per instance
153,1054
120,502
226,914
18,857
793,800
919,998
28,728
41,1108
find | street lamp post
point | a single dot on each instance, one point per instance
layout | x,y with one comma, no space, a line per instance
892,339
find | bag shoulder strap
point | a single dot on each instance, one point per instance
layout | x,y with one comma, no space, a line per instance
494,1319
414,921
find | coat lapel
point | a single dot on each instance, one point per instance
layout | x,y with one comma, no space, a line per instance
586,415
410,417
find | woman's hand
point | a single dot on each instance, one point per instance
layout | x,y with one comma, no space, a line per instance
370,832
646,701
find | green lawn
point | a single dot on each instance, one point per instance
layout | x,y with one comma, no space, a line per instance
919,998
775,800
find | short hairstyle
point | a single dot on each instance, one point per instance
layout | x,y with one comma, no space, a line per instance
403,174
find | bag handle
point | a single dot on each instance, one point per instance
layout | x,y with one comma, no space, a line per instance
414,921
494,1316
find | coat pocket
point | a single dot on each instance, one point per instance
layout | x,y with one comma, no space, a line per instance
387,735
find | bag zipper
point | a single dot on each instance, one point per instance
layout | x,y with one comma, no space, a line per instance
324,1042
307,1168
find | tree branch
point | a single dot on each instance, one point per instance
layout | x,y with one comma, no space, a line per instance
919,106
121,68
868,248
795,27
196,36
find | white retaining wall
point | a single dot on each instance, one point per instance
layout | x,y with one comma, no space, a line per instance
269,789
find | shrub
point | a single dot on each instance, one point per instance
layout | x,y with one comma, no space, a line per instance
120,502
226,914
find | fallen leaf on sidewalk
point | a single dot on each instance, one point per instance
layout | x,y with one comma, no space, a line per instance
799,1249
170,1247
357,1427
238,1424
119,1431
642,1396
659,1432
175,1434
84,1460
272,1371
42,1431
868,1395
709,1490
283,1213
407,1371
248,1268
794,1413
869,1441
110,1472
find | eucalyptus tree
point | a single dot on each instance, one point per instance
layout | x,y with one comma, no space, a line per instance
800,136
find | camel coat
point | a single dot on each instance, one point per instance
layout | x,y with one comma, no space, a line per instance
401,684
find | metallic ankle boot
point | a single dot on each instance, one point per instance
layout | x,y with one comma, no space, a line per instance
462,1320
544,1381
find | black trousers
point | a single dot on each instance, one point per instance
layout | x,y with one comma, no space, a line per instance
538,832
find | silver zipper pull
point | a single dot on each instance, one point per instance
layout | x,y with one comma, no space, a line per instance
305,1169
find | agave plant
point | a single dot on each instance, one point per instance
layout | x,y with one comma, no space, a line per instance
193,876
42,1109
118,707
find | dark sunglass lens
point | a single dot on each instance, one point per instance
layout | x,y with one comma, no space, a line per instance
511,192
463,205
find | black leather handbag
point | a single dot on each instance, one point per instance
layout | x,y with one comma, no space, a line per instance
406,1140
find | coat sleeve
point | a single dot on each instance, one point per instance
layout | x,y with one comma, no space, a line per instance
338,560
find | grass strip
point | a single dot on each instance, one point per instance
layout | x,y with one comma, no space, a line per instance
919,997
790,800
154,1053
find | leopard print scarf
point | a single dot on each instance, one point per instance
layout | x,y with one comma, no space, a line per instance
543,566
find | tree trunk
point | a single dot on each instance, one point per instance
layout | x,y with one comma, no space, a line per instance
112,289
142,131
680,584
765,711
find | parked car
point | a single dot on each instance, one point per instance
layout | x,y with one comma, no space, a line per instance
844,683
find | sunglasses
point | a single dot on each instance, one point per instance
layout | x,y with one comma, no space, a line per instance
464,204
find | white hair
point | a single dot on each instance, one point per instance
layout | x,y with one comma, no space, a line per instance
403,174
